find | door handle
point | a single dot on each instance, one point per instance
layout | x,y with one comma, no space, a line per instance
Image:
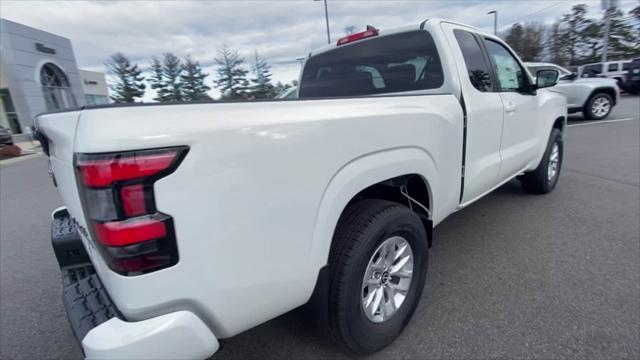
510,107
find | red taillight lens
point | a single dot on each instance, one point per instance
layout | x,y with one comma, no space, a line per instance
133,200
128,232
118,198
371,31
104,172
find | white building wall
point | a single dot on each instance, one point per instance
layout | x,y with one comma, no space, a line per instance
22,63
94,83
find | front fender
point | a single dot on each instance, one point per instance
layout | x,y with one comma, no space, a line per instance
553,106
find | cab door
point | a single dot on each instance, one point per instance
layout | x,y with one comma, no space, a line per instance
519,144
484,112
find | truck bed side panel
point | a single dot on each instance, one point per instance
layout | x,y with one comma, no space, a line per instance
246,197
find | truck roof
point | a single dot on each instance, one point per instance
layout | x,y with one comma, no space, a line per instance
418,26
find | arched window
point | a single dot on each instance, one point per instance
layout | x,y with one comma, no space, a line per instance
55,88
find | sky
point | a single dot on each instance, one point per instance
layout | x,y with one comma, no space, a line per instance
280,30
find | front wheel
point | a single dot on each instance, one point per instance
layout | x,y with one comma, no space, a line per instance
545,177
377,271
598,107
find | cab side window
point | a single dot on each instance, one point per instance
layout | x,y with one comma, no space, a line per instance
474,60
511,76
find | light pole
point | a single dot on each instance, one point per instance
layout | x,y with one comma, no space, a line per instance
495,21
326,18
607,6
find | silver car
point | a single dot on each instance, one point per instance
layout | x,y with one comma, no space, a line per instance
594,97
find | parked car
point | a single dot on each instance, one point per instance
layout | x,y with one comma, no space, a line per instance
5,137
609,69
177,235
632,78
594,97
290,93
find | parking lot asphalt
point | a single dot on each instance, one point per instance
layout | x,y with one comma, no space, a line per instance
512,276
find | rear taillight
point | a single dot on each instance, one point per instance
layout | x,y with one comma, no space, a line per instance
117,195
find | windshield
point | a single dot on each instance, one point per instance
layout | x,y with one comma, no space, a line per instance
400,62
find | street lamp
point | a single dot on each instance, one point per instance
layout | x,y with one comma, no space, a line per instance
606,6
495,21
326,18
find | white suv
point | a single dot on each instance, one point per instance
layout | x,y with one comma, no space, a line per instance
594,97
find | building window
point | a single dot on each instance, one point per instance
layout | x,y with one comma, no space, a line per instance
96,99
8,115
55,88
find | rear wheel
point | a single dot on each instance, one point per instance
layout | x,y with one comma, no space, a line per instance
377,272
545,177
598,107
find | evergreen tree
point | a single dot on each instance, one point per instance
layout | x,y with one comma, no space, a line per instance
533,42
262,87
157,81
635,21
592,41
127,84
172,70
623,38
635,15
515,38
555,45
526,40
572,36
232,77
192,78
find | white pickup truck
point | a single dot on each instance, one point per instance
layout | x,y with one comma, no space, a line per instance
189,223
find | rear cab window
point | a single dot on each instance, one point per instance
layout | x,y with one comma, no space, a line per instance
475,61
406,61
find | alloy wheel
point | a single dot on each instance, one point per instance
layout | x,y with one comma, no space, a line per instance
387,279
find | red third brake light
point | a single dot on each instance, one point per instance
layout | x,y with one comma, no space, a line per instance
371,31
103,172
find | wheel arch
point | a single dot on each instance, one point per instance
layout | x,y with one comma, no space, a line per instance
560,123
366,177
603,89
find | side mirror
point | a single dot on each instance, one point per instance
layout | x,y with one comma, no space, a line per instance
546,78
570,77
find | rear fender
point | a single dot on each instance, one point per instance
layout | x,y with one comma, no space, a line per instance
356,176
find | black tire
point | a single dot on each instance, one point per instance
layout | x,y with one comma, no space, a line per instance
361,229
588,110
537,181
634,91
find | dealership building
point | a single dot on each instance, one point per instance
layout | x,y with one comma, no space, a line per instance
39,73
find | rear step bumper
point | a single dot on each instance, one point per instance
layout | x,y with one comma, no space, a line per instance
98,325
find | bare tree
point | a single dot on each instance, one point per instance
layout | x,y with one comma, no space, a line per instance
349,29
